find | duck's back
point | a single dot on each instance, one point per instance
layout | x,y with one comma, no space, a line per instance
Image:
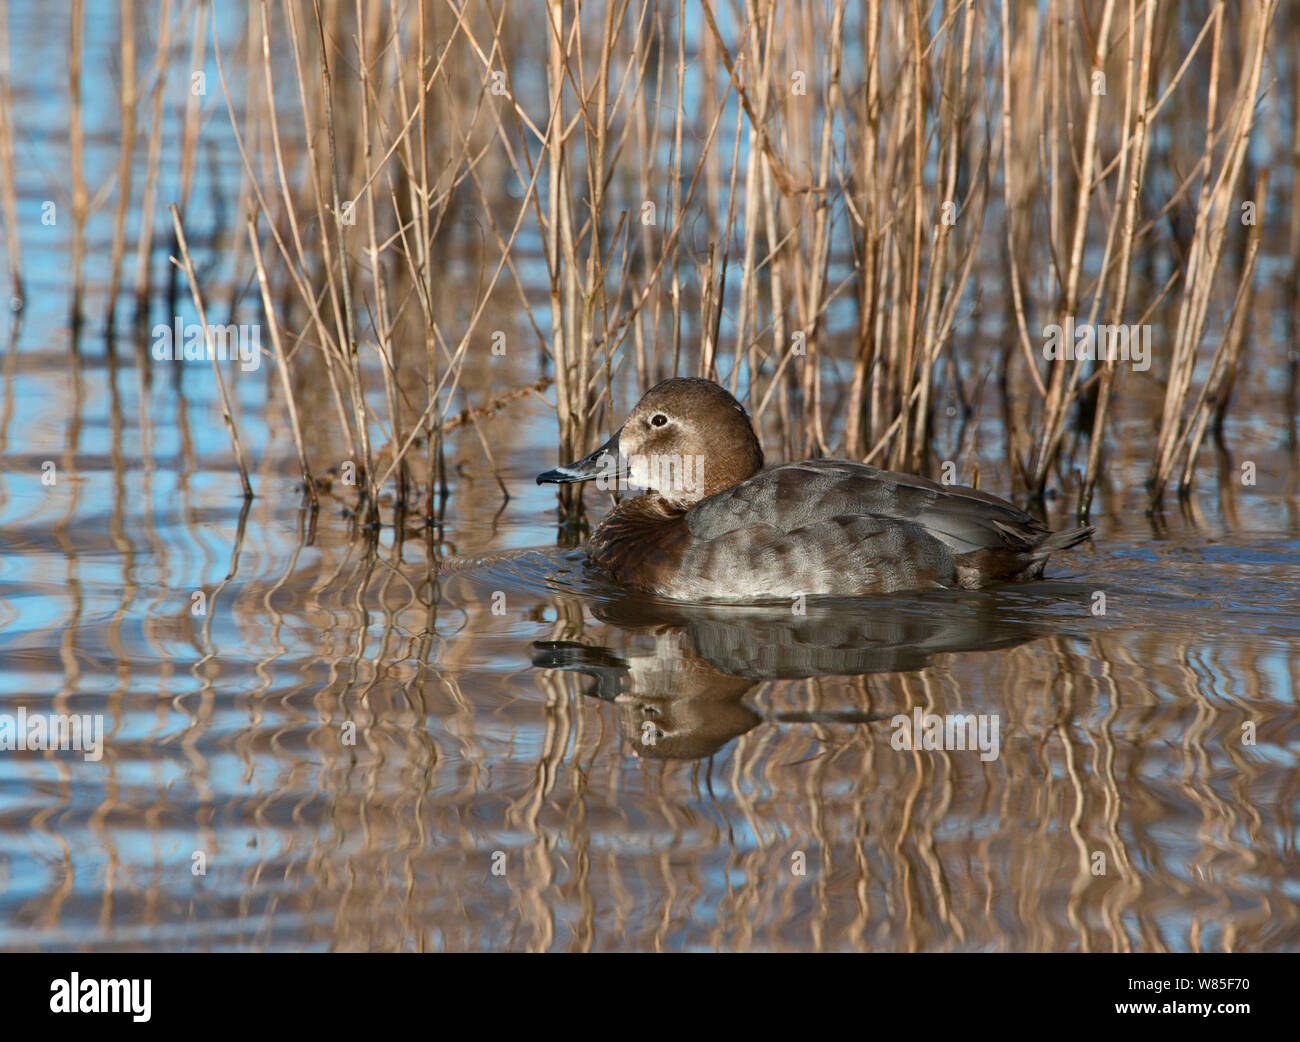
842,528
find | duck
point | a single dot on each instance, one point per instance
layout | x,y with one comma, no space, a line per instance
714,523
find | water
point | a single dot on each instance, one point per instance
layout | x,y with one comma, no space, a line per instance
500,700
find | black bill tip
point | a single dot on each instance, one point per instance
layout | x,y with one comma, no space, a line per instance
559,476
604,462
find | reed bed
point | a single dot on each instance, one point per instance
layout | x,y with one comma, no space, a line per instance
862,218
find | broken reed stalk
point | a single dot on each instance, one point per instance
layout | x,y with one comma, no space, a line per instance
186,265
8,199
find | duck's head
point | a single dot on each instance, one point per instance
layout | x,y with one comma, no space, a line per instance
687,439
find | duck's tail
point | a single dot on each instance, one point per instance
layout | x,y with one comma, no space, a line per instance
1014,563
1064,540
1053,542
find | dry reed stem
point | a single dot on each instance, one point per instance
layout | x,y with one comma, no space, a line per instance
127,103
8,199
381,320
1061,387
1223,366
144,239
1135,146
832,195
186,265
76,161
347,337
1213,210
282,365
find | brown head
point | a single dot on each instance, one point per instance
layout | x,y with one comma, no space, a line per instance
687,439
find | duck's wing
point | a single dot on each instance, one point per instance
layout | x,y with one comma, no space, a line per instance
794,495
845,555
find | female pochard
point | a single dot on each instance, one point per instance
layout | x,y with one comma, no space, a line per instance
715,525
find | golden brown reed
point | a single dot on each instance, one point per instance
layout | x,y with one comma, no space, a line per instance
776,159
860,216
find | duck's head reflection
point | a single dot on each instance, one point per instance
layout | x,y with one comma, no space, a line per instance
672,703
679,673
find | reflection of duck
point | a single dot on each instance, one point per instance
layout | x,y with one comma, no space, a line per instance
672,704
717,526
680,672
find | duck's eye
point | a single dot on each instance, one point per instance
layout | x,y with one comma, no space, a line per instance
658,420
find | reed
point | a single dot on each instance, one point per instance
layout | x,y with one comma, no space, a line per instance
862,218
185,264
126,150
1215,207
76,160
144,239
8,194
912,206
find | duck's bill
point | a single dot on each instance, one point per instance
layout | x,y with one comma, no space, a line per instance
603,463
